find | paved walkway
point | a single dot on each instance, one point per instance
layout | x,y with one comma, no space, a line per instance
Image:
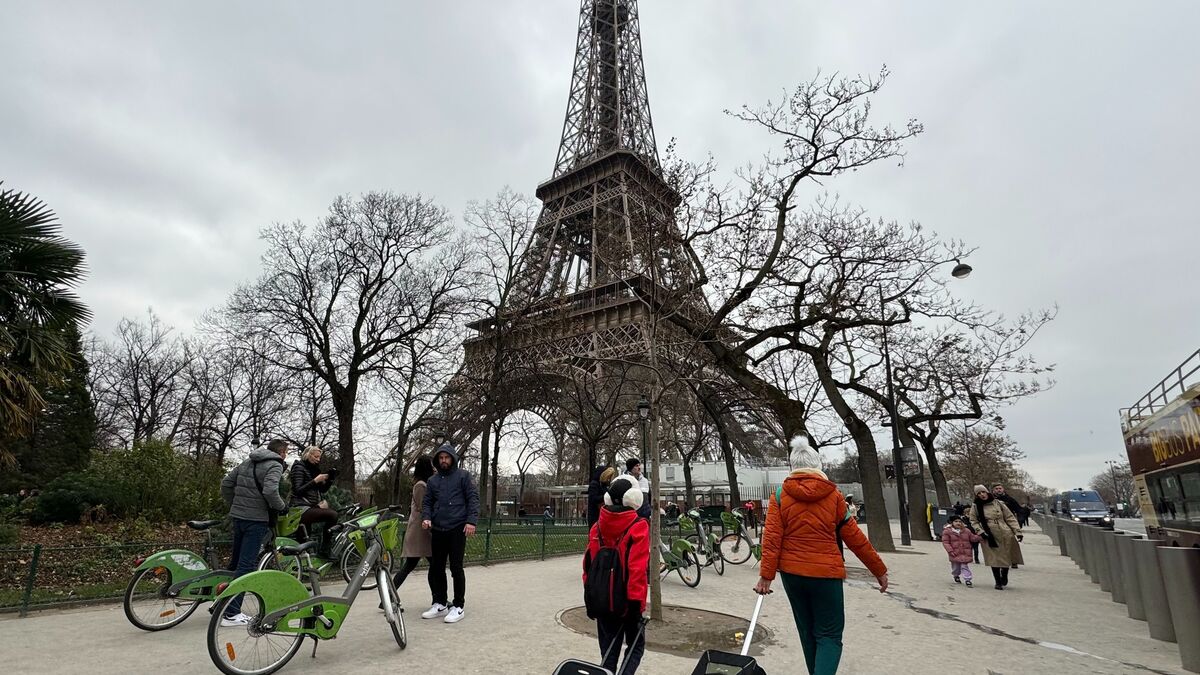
1052,619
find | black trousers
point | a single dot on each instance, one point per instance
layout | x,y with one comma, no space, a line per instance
451,546
618,631
1000,574
410,564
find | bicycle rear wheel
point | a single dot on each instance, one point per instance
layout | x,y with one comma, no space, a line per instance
147,605
244,649
689,572
701,553
392,610
735,548
718,563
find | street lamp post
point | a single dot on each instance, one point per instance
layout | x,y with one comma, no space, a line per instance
1112,472
961,271
643,409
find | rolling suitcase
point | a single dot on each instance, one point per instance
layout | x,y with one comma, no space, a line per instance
577,667
715,662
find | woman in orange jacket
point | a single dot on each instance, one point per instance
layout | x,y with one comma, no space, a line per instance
800,542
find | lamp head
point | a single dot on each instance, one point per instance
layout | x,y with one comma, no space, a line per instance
643,408
961,271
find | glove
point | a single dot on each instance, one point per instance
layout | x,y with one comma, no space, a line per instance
1020,537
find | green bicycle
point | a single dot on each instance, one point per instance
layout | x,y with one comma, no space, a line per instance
703,540
737,546
168,586
342,553
680,557
282,612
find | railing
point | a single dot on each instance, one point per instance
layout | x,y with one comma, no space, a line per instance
1162,393
37,577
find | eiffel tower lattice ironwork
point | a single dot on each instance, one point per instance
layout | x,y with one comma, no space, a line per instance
606,245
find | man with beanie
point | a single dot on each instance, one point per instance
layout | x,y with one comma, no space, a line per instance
624,538
450,509
805,522
633,468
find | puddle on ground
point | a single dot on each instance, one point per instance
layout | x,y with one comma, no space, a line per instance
910,603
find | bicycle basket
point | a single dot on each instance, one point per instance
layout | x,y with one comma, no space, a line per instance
356,536
389,531
686,524
287,525
731,521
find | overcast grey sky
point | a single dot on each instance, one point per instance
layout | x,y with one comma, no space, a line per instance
1060,139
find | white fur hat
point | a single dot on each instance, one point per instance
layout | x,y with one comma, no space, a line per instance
802,455
625,488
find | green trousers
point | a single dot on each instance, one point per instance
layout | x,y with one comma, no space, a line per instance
819,610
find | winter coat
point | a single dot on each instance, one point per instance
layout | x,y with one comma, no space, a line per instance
305,491
418,541
1005,529
239,487
451,499
958,544
801,534
614,520
595,497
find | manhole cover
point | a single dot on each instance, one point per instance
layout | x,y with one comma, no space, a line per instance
684,631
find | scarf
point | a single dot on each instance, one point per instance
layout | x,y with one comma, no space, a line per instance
983,523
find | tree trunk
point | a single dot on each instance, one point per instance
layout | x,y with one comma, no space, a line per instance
879,529
688,489
484,446
714,413
398,467
936,473
495,465
656,608
343,405
918,525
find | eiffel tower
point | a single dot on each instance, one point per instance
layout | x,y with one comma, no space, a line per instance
605,252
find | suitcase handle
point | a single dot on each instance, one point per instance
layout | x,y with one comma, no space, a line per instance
753,624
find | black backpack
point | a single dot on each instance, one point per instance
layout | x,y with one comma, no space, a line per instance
606,593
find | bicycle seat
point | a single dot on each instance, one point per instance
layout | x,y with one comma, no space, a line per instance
202,524
299,548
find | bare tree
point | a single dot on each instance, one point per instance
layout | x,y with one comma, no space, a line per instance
340,298
979,456
1116,485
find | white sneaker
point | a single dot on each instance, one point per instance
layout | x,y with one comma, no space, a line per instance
455,615
238,619
435,611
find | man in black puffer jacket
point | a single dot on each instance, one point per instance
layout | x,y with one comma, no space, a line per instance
450,510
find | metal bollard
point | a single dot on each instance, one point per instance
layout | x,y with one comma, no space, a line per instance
1129,577
1091,546
1051,531
1154,594
1116,584
1181,570
1062,538
1072,542
1084,549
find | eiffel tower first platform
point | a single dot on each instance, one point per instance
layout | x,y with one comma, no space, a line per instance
606,253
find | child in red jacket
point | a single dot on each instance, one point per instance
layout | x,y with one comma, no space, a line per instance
620,527
957,540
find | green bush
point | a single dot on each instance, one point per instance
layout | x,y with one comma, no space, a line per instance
149,481
9,534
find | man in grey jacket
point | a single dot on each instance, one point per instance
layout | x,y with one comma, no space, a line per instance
450,510
251,490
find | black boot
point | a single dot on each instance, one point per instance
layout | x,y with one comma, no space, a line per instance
999,579
1004,576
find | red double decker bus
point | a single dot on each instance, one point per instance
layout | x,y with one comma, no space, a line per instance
1162,438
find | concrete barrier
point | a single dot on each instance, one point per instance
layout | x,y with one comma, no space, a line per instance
1079,553
1091,548
1154,594
1129,577
1116,584
1104,568
1181,573
1061,539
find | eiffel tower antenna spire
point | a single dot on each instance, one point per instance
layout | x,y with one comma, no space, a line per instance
608,108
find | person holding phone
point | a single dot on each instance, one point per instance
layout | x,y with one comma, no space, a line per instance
309,486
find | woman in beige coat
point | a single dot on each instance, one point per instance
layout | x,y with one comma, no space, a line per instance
1001,534
418,542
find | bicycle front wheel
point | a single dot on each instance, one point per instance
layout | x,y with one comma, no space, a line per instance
689,572
701,553
392,610
718,563
351,559
244,649
147,605
735,548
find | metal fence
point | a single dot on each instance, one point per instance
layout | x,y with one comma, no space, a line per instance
37,577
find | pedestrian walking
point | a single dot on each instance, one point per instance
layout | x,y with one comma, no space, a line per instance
958,540
601,477
1001,534
418,541
806,520
1022,519
450,510
251,491
616,574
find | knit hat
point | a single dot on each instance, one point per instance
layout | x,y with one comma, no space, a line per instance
624,491
632,462
979,488
803,456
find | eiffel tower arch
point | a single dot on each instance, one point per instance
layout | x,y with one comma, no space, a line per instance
605,255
